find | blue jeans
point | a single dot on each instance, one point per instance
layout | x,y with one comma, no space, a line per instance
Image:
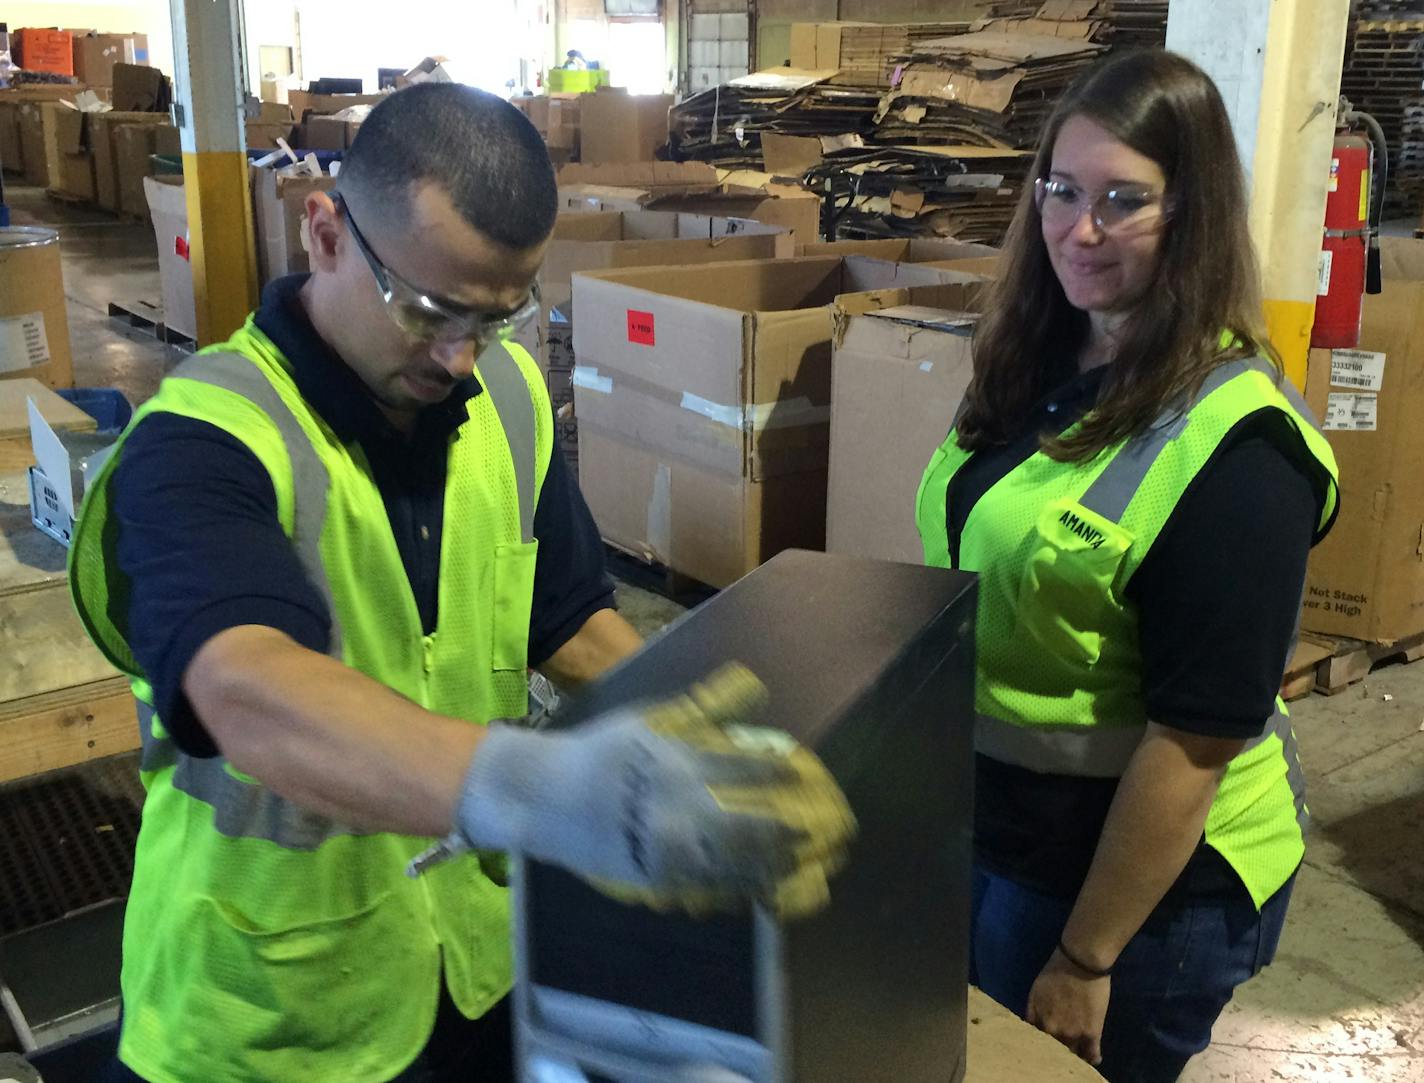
1170,983
460,1050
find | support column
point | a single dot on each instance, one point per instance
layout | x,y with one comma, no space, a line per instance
208,87
1278,64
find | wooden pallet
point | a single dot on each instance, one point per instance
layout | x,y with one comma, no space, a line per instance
1331,664
147,316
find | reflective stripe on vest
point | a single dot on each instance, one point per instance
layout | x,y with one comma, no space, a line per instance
242,808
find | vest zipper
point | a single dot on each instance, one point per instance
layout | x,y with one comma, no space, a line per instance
427,650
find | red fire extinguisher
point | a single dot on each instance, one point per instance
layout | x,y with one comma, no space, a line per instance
1350,258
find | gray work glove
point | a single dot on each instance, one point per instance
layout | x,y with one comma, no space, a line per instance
666,803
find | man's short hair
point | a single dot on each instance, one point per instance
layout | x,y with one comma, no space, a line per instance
480,149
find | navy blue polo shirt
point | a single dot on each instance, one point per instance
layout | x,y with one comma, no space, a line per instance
199,540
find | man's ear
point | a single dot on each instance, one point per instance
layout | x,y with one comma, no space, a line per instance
325,231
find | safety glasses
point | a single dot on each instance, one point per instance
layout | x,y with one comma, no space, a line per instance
1061,204
436,320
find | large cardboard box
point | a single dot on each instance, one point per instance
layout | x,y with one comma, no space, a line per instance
900,365
45,50
12,137
103,129
96,54
168,206
69,165
690,188
939,250
279,217
304,102
137,144
616,126
326,133
607,239
32,143
703,400
1366,580
274,121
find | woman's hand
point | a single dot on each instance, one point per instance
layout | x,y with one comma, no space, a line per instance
1070,1005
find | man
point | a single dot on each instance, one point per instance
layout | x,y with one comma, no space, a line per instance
322,551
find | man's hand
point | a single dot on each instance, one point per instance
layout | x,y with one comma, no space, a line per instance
1069,1004
675,804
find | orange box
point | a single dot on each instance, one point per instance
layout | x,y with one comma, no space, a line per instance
46,50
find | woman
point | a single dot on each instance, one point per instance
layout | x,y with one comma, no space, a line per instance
1138,489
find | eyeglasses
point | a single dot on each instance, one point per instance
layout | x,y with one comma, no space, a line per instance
1060,204
423,317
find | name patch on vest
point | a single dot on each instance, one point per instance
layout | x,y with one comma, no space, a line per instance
1090,534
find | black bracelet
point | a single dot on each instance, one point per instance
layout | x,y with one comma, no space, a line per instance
1084,967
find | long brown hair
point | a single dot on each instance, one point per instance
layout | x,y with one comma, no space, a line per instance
1206,282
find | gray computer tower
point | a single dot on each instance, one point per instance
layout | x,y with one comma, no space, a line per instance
871,664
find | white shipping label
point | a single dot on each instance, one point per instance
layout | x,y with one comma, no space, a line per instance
22,342
1362,369
1322,273
1351,413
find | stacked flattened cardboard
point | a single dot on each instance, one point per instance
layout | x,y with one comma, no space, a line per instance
991,88
867,50
1384,76
724,125
965,192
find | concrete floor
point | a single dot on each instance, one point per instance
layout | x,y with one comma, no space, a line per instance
1345,998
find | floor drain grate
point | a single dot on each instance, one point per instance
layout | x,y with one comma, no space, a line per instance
67,840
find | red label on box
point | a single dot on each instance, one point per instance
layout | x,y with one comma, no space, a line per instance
640,327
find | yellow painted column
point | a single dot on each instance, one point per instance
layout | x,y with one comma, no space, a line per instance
1278,67
209,91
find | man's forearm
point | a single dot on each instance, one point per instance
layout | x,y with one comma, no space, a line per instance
1153,827
328,738
604,640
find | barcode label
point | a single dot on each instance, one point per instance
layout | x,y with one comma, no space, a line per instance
1348,412
1362,369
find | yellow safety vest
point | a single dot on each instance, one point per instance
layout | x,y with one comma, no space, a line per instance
1059,687
263,941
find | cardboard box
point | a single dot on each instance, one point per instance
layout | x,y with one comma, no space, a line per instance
34,328
69,165
168,207
1366,580
304,102
103,128
136,146
690,188
32,144
12,135
898,373
609,239
817,46
139,88
703,401
96,54
325,133
620,127
45,50
938,250
279,217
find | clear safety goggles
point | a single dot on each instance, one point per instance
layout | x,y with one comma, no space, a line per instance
1061,204
424,317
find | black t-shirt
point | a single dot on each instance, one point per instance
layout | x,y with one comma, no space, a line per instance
1217,599
202,548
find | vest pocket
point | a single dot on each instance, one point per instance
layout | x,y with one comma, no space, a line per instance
513,604
1066,589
